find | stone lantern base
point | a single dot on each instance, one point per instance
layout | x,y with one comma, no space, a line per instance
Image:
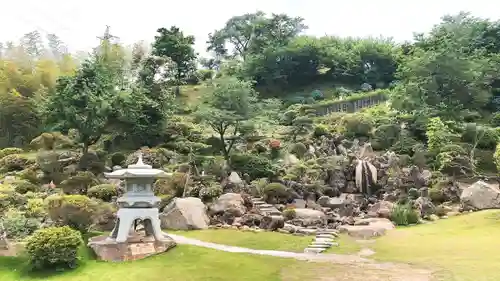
136,247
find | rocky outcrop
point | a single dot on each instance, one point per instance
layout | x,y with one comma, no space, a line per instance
229,202
367,228
185,214
381,209
480,196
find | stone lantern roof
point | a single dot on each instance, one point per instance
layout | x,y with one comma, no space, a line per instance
137,170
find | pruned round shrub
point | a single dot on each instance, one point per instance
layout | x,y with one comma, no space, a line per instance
24,186
299,149
10,150
289,214
14,162
105,192
79,183
209,193
155,157
174,185
54,248
320,130
385,136
275,193
357,125
118,159
255,166
35,208
18,226
76,211
404,214
495,120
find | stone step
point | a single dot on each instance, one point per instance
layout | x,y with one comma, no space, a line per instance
266,206
314,250
257,199
325,236
334,234
259,203
317,246
323,244
272,213
324,240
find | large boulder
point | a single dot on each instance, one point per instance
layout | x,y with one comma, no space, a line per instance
185,214
310,214
381,209
480,196
229,201
368,228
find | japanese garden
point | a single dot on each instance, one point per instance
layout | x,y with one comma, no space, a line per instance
276,155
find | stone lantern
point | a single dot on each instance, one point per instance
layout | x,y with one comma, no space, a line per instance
137,204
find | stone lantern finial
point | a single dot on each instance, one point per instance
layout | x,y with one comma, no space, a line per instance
139,160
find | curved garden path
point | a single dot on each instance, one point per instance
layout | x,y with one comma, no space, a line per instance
364,267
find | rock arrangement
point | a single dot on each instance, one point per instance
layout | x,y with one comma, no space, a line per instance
265,209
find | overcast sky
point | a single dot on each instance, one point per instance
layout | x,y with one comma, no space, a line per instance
78,23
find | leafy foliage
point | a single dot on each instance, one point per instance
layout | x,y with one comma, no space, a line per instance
54,248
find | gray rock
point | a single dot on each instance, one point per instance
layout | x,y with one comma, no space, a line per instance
185,214
233,201
480,196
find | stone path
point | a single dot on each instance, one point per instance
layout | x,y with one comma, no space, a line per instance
397,272
264,208
324,240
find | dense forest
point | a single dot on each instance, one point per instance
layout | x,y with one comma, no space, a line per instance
290,116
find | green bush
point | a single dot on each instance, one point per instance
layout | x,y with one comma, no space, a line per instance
54,248
275,193
17,226
496,157
24,186
77,211
14,162
255,166
385,136
10,150
209,193
35,208
289,214
485,137
357,125
404,214
320,130
79,183
299,149
118,159
495,119
105,192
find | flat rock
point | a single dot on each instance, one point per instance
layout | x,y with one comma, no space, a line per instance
233,201
368,228
311,214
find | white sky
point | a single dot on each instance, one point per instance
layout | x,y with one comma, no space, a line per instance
78,23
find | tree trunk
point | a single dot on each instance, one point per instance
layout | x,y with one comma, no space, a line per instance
85,149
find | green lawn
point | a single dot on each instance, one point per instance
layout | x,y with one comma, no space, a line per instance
252,240
464,248
183,263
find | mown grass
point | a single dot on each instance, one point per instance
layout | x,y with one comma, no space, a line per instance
463,248
252,240
183,263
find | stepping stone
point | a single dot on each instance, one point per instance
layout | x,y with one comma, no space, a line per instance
314,250
328,233
322,244
318,246
259,203
325,236
266,206
324,240
257,199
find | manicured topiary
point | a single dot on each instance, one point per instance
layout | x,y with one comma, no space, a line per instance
10,150
118,159
104,192
54,248
275,193
299,149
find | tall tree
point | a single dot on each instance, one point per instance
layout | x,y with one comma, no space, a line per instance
57,47
33,44
172,43
251,33
82,102
226,109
